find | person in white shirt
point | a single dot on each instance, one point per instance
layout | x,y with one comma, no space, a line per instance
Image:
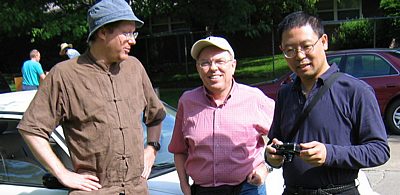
66,49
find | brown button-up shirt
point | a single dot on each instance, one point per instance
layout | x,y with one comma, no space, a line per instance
100,108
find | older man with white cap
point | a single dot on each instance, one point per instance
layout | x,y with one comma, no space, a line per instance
100,99
217,138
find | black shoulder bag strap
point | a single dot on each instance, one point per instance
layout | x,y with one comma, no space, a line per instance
327,84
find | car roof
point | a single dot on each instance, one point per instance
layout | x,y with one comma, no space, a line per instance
363,50
15,102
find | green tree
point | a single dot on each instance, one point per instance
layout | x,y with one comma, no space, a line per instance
269,13
353,34
44,19
392,8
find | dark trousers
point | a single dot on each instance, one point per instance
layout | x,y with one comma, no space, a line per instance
347,189
219,190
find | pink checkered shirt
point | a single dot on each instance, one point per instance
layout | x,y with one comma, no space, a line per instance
224,144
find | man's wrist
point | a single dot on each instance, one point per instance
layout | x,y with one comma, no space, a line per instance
274,166
156,145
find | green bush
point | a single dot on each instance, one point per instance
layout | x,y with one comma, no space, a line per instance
354,34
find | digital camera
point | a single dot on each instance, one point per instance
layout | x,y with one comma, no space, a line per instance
287,150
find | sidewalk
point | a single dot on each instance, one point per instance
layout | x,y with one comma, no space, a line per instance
385,179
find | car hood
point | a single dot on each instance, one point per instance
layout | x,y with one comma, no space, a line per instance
16,101
165,184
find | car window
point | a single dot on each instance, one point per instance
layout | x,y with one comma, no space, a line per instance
18,165
334,59
367,65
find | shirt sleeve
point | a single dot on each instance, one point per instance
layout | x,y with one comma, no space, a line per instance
39,69
370,146
178,144
267,112
154,112
46,109
275,131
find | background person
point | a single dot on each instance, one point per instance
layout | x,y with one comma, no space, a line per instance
217,138
66,49
32,71
100,99
343,132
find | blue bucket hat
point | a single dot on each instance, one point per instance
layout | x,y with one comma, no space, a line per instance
107,11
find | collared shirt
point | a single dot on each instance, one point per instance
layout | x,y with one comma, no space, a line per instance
346,119
31,71
100,108
223,143
72,53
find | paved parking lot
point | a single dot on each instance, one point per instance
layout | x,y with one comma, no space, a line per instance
385,179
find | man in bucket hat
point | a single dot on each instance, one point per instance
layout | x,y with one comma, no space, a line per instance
100,99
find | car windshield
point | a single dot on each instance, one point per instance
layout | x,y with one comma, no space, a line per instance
19,166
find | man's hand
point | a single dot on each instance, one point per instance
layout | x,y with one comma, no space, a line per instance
272,158
258,175
149,157
79,181
313,152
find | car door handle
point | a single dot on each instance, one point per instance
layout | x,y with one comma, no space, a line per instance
391,86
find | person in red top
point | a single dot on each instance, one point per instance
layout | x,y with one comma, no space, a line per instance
217,138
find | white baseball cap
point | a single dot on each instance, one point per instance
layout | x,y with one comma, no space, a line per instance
210,41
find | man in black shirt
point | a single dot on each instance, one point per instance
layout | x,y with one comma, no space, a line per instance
342,133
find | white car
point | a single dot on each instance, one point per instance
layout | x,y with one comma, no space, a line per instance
21,173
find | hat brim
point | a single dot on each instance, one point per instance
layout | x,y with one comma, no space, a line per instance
201,44
63,47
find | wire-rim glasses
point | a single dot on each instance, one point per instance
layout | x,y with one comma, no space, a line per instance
131,35
208,63
292,52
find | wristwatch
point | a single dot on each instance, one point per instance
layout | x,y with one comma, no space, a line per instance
156,145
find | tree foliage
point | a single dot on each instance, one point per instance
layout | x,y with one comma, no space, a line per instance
353,34
392,8
46,19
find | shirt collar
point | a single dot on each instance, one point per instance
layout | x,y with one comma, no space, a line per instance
100,63
232,91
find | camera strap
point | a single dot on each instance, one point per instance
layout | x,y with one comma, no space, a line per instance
327,84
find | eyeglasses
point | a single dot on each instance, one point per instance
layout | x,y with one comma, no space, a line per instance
292,52
208,63
131,35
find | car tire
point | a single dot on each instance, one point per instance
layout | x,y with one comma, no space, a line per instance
392,117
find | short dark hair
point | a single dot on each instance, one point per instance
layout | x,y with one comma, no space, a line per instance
299,19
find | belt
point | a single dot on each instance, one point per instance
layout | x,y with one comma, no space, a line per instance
330,189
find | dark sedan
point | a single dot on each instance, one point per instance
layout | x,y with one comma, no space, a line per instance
380,68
